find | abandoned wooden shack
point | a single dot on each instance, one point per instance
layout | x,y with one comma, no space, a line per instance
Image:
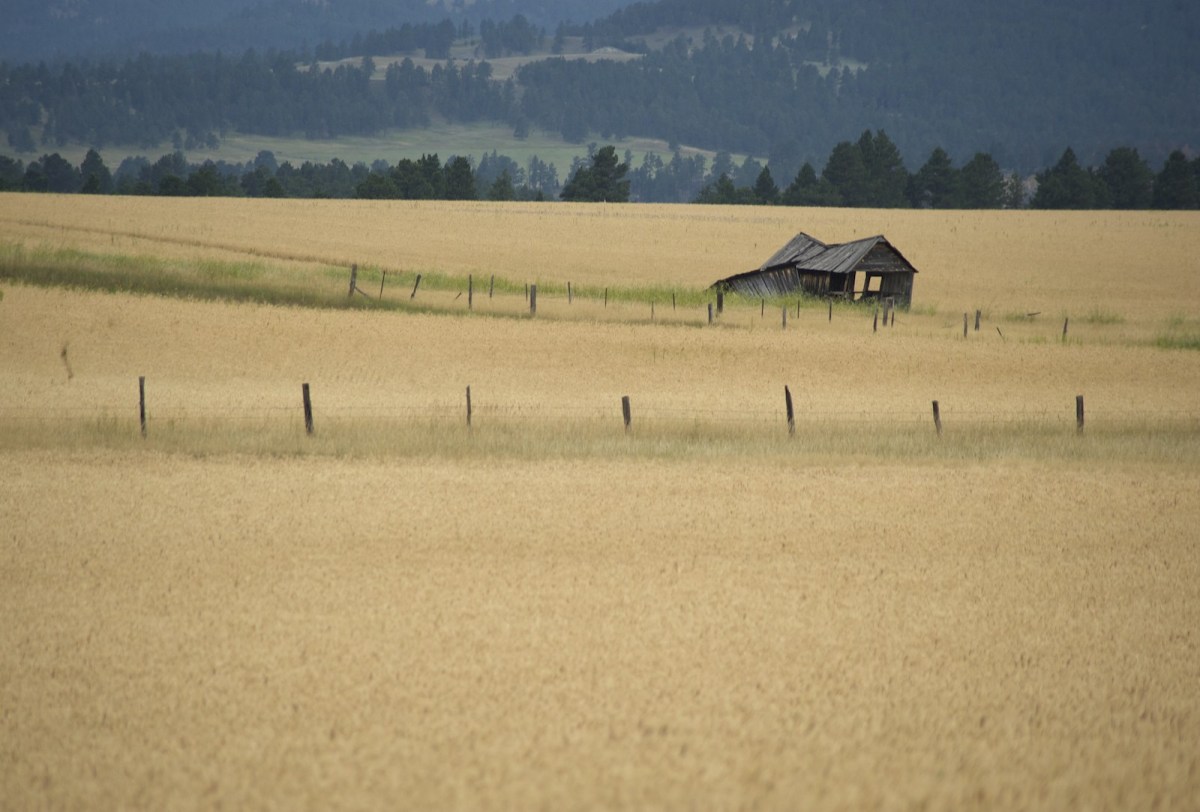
870,268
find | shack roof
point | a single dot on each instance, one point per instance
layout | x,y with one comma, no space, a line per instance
807,253
799,248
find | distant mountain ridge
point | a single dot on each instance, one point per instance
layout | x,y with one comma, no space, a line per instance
35,30
1019,80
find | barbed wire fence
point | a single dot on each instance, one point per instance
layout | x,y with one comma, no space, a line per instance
628,410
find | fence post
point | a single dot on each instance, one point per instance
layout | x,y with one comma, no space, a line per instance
381,281
470,292
1079,414
533,300
570,296
710,313
784,310
652,311
875,321
791,415
468,407
937,419
606,298
308,418
831,311
978,316
1064,335
142,403
964,325
720,302
353,280
672,301
415,286
625,412
491,286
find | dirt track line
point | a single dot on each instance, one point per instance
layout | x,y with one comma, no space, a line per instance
191,243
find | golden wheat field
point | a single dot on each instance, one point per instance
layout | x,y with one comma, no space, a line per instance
545,611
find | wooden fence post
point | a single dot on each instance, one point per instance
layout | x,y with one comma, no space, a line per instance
353,280
791,415
710,317
672,301
491,286
875,321
533,300
308,417
720,302
142,403
1079,414
415,286
606,298
625,412
1064,335
470,292
762,308
964,325
831,311
784,309
381,281
468,407
978,316
570,296
937,419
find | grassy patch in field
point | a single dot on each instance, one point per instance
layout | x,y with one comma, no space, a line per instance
1181,333
321,287
534,437
1101,316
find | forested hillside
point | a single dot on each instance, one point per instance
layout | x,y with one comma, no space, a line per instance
783,80
1018,79
34,30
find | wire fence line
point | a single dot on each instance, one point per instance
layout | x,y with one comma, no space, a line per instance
646,411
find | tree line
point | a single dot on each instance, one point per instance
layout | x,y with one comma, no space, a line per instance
787,91
868,172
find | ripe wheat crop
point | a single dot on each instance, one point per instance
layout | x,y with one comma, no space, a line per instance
544,611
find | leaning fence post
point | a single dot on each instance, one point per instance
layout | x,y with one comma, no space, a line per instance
381,281
533,300
791,415
1064,335
1079,414
625,412
937,419
415,286
142,403
308,418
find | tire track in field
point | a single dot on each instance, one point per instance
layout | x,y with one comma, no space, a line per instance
186,242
